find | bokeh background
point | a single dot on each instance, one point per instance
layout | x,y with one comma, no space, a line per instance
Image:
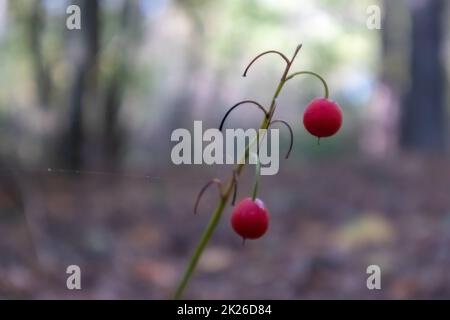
85,170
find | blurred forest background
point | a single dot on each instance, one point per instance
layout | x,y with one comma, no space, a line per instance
85,171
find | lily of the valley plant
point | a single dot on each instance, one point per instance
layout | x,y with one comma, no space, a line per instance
250,218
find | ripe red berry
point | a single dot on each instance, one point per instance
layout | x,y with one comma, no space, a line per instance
322,118
250,219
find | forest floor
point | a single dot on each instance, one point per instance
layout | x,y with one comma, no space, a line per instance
132,237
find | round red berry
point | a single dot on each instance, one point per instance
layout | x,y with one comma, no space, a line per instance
322,118
250,219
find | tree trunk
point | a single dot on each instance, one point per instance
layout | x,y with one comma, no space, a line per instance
113,134
423,119
83,83
41,68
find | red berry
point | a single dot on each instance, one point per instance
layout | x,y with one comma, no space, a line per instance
322,118
250,219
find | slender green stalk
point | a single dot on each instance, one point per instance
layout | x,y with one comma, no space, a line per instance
325,86
257,174
228,191
200,247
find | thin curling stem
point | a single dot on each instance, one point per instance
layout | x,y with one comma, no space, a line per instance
266,114
325,86
262,54
291,134
206,186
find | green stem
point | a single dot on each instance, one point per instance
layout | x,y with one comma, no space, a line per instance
325,86
200,247
257,174
214,220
